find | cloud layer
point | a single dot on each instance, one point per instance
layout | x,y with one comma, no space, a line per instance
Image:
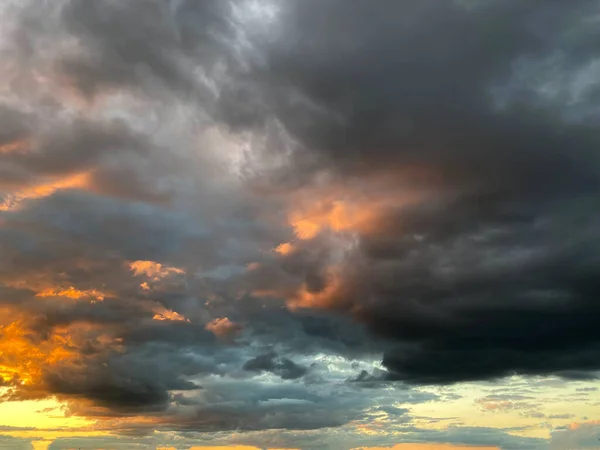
294,214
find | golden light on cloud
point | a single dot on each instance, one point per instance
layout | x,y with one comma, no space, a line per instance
337,215
418,446
304,228
167,314
325,298
284,249
215,228
74,181
153,270
73,293
47,414
235,447
223,328
346,208
23,361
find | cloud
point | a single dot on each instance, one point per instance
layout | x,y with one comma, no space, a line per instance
480,265
212,220
576,435
223,327
269,362
13,443
152,269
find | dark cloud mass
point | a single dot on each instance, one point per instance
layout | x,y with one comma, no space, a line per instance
493,272
291,214
269,362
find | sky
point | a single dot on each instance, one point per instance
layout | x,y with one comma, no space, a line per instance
299,224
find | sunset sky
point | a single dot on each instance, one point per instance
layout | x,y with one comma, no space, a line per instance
300,224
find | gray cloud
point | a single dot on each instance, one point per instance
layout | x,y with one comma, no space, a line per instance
14,443
446,154
270,362
499,278
154,48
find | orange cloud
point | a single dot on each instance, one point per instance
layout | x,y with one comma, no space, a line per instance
284,249
223,327
74,181
167,314
343,208
22,361
153,270
226,447
337,215
73,293
304,298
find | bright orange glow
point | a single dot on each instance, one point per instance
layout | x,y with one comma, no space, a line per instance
235,447
79,180
428,447
167,314
304,228
153,270
335,215
346,209
322,299
73,293
22,360
223,327
75,181
284,249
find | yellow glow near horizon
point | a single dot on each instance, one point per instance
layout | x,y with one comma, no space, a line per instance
471,411
41,413
233,447
428,447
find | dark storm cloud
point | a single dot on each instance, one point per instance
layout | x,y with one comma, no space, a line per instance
134,230
410,86
158,45
250,405
106,155
281,366
204,123
15,125
493,272
137,381
77,146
